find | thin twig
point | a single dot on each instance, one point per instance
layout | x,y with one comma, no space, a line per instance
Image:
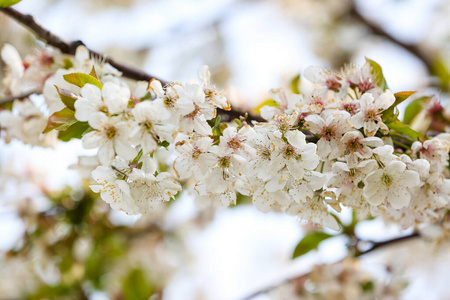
377,30
70,47
18,97
375,245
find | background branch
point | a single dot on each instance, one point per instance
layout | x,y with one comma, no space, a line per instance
377,30
374,246
18,97
70,48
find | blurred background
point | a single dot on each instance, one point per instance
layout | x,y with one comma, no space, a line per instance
59,241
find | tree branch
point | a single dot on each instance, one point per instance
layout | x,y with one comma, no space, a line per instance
375,245
377,30
70,48
18,97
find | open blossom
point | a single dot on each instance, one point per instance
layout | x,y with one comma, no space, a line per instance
149,127
113,189
390,185
354,147
435,150
112,135
371,112
193,159
296,155
112,99
13,60
212,96
315,211
236,141
302,190
147,189
331,130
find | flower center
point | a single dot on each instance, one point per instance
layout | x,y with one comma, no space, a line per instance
350,108
196,153
224,162
387,179
328,133
234,143
366,85
333,84
371,116
353,145
169,102
148,125
111,132
288,151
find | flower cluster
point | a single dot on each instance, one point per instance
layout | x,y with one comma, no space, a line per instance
337,144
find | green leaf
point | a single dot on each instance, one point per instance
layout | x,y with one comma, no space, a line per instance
67,97
217,123
268,102
75,131
310,242
136,286
164,144
414,108
378,72
390,114
440,69
80,79
137,158
295,82
398,126
7,3
60,120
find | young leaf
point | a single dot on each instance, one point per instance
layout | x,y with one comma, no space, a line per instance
378,72
67,97
60,120
390,114
7,3
310,242
295,82
75,131
268,102
414,108
80,79
398,126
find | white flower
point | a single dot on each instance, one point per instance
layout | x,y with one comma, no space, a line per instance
302,190
149,128
264,200
354,147
315,211
435,150
296,155
371,111
112,136
112,99
193,159
212,96
390,185
147,189
113,189
331,130
236,141
12,59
